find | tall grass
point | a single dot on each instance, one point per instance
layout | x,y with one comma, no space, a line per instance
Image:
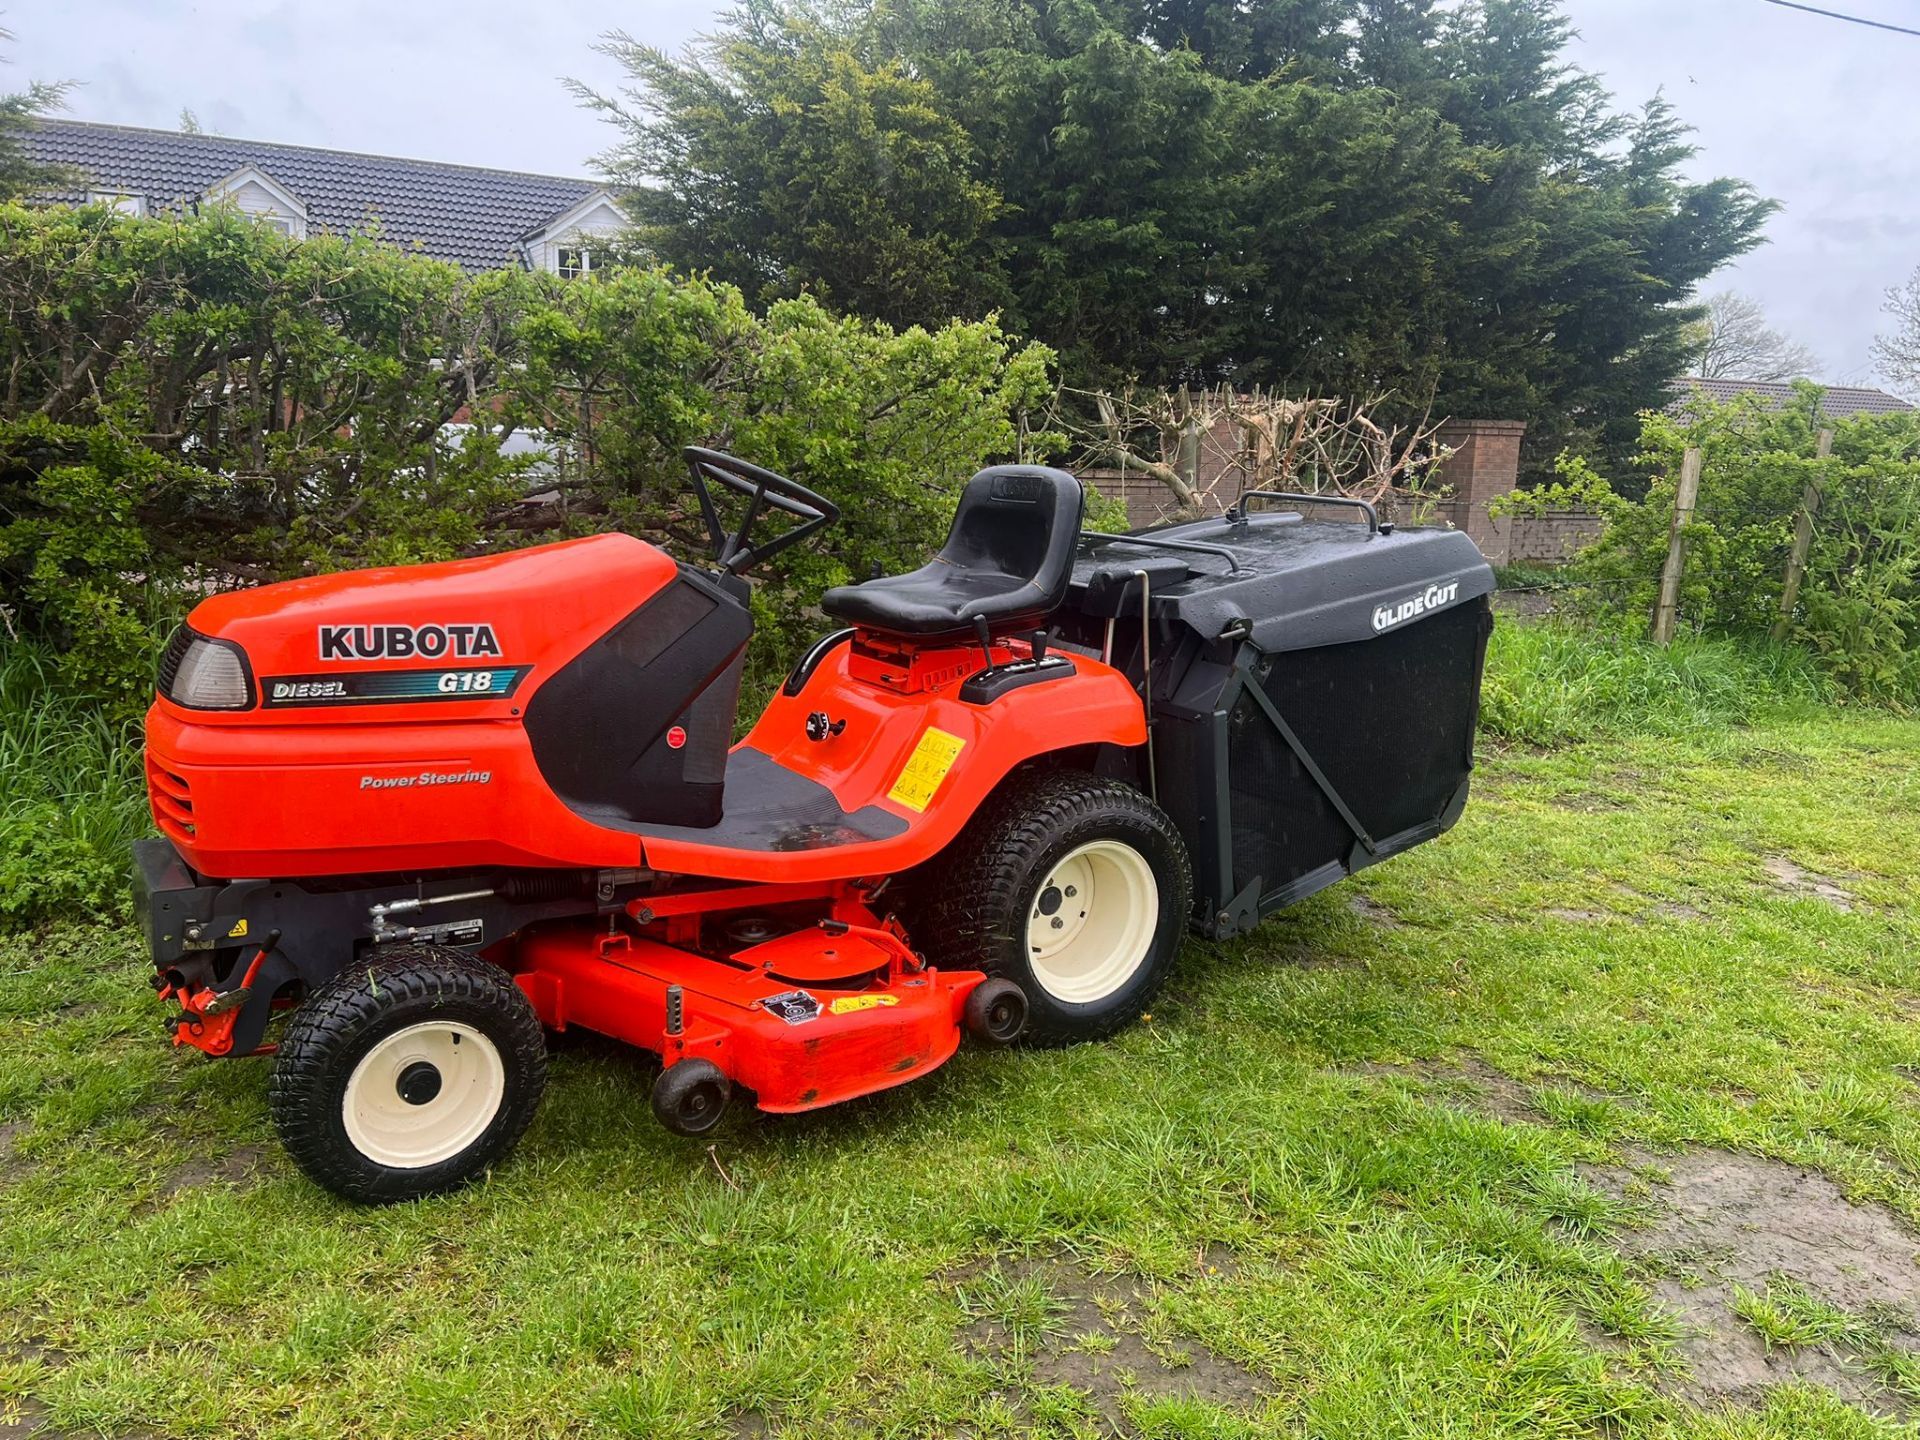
71,795
1549,683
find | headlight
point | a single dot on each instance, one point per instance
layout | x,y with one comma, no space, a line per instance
205,674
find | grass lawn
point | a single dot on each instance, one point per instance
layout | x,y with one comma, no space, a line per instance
1404,1163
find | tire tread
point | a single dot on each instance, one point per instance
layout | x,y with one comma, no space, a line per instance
967,907
341,1009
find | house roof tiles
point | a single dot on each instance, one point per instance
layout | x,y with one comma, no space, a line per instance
471,216
1839,400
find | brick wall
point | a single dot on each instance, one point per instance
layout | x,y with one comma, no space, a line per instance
1552,537
1485,464
1148,502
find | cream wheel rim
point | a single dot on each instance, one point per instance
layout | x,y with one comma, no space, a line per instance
1092,922
423,1094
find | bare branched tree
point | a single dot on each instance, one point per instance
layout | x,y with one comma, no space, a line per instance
1734,342
1208,446
1896,352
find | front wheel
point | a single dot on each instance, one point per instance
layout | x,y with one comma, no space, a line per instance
407,1075
691,1096
1073,887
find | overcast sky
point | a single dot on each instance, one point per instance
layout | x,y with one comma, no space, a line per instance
1819,114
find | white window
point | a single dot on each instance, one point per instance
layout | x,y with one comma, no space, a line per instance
281,223
573,261
135,205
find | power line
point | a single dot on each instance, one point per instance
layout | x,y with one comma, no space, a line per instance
1836,15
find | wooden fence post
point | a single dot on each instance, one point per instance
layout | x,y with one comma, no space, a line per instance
1685,495
1802,541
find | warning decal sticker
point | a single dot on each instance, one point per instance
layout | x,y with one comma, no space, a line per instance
932,758
851,1004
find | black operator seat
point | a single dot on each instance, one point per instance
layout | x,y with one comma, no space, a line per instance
1008,559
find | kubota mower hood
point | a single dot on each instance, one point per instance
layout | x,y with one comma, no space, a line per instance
460,639
385,719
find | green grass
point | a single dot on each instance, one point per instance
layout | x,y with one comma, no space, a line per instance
71,801
1548,683
1786,1315
1399,1260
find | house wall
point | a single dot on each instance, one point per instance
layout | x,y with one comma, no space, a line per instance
253,198
603,219
255,193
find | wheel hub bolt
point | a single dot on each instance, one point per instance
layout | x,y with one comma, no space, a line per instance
1058,923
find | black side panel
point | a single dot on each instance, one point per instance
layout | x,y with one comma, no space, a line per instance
1187,755
1387,723
601,728
1282,826
1389,720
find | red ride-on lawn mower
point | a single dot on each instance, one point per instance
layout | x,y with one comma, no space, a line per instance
436,810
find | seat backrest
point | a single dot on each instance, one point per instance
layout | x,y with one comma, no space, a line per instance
1018,520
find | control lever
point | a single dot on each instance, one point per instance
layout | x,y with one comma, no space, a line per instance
1038,664
983,636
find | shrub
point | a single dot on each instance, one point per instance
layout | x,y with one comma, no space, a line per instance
888,424
197,403
1859,605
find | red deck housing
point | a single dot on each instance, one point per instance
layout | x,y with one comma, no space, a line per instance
878,1017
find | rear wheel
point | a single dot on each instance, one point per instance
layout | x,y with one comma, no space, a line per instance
408,1075
1073,887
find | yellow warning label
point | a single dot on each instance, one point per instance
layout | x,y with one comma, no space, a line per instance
239,931
847,1004
932,758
